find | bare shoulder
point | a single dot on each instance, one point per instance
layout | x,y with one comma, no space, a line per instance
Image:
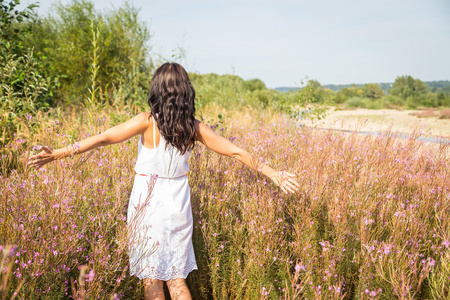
142,119
140,122
199,125
145,121
200,130
145,117
124,131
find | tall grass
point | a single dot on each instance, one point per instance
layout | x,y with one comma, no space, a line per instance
370,222
67,217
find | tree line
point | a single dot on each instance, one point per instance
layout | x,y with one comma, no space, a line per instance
405,92
435,86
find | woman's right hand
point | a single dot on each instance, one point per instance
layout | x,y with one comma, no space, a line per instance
44,157
285,181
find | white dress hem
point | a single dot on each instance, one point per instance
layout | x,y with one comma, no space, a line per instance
150,273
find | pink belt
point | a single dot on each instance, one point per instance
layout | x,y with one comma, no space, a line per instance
161,177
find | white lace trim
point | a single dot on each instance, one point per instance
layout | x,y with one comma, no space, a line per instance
168,274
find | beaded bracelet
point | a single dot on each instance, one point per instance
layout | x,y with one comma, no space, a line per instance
73,151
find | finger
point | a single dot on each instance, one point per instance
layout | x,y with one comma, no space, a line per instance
283,189
33,161
291,191
294,182
34,164
37,155
287,187
291,179
290,174
32,157
291,185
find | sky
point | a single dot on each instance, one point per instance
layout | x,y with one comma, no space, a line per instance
284,42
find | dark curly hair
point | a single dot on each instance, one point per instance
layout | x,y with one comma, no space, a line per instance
172,103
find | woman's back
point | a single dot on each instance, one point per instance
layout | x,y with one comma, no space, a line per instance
166,162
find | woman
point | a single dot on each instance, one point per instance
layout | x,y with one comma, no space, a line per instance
164,251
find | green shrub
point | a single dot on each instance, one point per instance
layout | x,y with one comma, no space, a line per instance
395,100
355,102
23,91
24,88
79,41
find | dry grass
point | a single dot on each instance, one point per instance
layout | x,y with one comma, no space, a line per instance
370,222
427,113
444,114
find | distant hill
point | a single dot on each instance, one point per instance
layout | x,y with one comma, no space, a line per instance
434,86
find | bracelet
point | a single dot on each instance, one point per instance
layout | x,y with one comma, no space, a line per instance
73,151
260,167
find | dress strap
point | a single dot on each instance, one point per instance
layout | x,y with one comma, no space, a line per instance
154,136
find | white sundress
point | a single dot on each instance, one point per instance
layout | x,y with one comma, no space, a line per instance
160,222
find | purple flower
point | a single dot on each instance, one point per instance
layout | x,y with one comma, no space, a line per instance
115,297
432,262
91,275
299,267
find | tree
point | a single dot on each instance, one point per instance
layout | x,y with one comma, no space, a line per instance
372,91
408,87
254,84
316,91
353,91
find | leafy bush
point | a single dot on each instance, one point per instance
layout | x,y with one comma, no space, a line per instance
408,87
233,92
254,84
14,23
24,87
357,102
395,100
372,91
95,52
23,91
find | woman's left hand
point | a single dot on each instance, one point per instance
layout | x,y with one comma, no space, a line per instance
44,157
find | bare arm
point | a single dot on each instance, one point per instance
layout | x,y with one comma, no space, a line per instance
223,146
114,135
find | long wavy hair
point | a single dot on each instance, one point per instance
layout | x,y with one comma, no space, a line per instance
172,103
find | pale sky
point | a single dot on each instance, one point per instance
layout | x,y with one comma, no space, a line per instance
281,42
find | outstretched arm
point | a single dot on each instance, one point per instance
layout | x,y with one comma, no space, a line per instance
114,135
223,146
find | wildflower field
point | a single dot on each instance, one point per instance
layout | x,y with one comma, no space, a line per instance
370,220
